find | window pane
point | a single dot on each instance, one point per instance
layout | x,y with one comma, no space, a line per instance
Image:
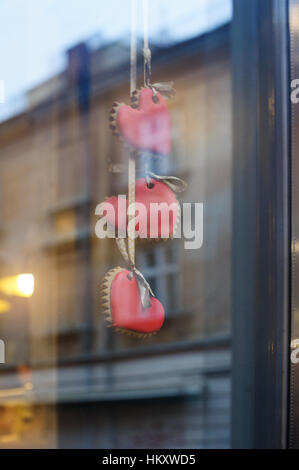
78,383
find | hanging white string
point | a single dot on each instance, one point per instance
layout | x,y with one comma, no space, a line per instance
164,88
133,46
132,169
128,252
146,49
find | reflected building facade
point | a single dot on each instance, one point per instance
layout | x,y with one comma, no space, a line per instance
68,380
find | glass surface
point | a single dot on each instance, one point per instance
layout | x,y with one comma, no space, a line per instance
294,318
68,381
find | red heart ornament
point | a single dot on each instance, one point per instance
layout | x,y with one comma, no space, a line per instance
148,126
122,304
162,225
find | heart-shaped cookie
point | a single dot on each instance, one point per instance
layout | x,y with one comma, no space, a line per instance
123,308
145,125
156,221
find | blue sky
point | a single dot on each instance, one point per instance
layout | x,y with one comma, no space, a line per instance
34,34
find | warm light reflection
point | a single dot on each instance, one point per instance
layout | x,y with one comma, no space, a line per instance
4,306
25,283
21,285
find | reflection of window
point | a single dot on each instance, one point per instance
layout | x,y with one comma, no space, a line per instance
159,165
160,265
178,136
176,160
